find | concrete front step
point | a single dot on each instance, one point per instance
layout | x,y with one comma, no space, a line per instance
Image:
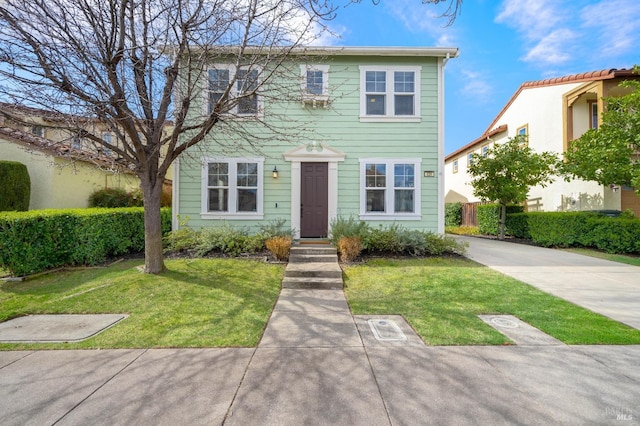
312,283
312,250
316,270
307,258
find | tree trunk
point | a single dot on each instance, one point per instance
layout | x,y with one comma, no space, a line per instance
503,220
153,258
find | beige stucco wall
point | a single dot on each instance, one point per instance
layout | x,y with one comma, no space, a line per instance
57,183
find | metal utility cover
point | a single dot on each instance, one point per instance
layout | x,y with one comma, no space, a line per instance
386,330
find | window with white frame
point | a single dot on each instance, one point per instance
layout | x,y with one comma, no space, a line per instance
314,84
245,89
470,158
389,93
455,166
485,151
390,189
232,187
106,138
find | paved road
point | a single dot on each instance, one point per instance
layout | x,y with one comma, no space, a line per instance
609,288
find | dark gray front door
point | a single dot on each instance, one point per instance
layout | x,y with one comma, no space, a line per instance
314,204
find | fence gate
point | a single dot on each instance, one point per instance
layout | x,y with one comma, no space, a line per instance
470,214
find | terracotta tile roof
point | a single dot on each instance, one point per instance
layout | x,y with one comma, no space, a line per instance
568,79
606,74
483,138
58,149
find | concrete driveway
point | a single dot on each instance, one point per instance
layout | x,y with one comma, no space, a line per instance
608,288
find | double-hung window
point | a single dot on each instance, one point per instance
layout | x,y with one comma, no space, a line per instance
314,84
389,93
390,189
232,188
243,86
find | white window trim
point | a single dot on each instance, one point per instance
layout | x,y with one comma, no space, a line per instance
232,161
312,98
389,99
234,91
390,200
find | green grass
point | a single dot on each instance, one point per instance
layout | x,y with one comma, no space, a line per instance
441,298
620,258
196,303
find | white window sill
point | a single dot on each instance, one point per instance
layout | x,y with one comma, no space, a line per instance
371,216
232,216
389,119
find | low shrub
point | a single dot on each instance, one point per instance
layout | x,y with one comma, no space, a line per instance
280,247
349,248
38,240
227,240
489,217
347,227
453,214
462,230
110,198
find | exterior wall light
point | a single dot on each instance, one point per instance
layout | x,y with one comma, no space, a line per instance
275,172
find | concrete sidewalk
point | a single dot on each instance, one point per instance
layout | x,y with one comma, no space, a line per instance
319,365
608,288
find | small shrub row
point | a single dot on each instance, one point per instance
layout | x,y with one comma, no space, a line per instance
394,239
453,214
567,229
38,240
230,240
118,198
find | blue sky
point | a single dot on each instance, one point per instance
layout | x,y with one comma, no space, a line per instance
502,43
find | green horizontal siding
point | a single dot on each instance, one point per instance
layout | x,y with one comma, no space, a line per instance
340,127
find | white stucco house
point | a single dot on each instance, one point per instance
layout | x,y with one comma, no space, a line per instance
551,113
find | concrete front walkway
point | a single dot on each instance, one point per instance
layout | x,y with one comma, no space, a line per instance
319,365
608,288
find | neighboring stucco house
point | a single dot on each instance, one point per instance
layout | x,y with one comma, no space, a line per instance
372,147
551,113
64,171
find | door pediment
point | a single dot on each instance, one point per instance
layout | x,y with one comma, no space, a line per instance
314,152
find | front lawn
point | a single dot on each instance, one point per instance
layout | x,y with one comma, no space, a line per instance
197,303
441,298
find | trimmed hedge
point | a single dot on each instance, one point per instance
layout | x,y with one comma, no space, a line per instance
15,186
567,229
453,214
38,240
489,217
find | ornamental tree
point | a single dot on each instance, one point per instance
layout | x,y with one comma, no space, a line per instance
508,170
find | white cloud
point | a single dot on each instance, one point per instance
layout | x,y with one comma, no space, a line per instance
616,23
475,85
533,18
422,18
553,48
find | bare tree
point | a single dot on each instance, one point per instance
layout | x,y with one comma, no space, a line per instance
139,65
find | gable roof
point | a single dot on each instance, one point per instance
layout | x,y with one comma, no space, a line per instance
606,74
58,149
485,136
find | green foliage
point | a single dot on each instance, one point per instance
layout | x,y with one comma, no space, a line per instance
607,154
15,186
276,228
347,227
228,240
453,214
35,241
581,229
110,198
489,217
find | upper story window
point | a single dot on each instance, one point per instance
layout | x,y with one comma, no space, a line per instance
244,90
37,131
593,115
455,166
470,158
390,189
232,187
389,93
485,150
315,84
523,134
106,138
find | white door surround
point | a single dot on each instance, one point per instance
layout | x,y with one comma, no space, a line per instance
313,152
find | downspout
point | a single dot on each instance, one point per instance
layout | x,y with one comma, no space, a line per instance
441,195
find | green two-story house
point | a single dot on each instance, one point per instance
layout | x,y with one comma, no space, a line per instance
352,131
